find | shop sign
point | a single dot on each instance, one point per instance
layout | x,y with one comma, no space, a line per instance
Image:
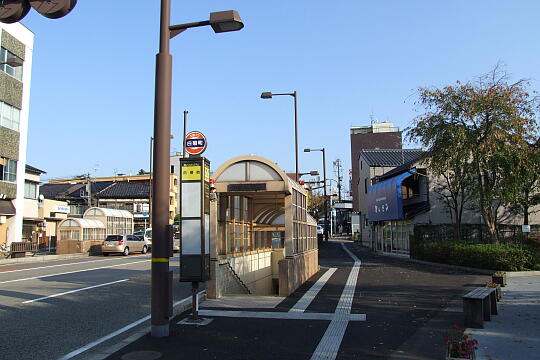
61,209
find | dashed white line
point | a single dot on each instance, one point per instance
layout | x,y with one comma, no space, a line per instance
73,291
73,272
51,266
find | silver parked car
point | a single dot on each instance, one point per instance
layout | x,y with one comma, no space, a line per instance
124,244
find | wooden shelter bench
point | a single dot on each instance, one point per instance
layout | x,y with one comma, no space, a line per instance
478,305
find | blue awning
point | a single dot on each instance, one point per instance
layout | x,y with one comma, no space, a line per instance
385,200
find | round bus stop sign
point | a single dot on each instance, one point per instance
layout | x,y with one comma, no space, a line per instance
195,143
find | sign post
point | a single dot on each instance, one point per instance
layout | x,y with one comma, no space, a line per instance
195,226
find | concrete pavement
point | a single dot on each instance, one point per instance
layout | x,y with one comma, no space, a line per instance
514,334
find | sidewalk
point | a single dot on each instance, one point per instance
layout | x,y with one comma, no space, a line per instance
39,257
359,306
515,332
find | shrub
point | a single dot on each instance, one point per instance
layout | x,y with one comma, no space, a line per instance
484,256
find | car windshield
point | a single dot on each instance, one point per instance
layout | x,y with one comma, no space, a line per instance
148,234
114,238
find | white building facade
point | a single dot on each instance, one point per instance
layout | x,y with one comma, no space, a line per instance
16,41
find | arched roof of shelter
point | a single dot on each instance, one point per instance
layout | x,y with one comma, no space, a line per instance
84,223
98,211
253,168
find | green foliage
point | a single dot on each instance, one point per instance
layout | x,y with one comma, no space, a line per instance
316,206
475,135
482,256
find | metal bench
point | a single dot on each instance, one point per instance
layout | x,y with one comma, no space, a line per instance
19,249
478,305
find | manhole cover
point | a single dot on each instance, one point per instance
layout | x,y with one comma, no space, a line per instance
142,355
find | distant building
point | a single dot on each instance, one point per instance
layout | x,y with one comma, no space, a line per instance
372,164
383,135
125,192
16,41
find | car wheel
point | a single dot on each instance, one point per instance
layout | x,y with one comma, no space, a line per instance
126,251
144,250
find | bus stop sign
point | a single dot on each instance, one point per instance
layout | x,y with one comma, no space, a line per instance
195,143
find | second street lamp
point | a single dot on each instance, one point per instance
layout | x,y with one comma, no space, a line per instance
324,186
161,303
268,95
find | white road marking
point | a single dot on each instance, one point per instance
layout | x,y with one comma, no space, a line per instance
119,331
295,315
73,291
331,341
308,297
51,266
73,272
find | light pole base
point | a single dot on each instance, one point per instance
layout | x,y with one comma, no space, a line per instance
159,331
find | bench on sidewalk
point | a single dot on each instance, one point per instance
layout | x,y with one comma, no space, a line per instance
478,305
19,249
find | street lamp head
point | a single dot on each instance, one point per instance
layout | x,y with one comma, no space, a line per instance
266,95
307,150
13,62
225,21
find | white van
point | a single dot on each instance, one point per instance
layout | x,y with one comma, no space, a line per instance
148,237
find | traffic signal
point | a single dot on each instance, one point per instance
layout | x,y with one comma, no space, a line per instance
12,11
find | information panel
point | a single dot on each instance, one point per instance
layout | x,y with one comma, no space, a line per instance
195,215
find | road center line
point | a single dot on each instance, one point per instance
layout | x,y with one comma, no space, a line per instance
73,272
74,291
119,331
308,297
51,266
331,341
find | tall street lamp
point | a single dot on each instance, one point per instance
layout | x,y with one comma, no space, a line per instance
324,186
268,95
161,303
150,175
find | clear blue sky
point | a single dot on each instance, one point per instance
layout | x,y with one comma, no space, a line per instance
92,93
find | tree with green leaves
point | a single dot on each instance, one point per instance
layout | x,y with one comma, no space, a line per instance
316,205
472,131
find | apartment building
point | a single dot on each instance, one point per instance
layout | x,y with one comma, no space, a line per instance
16,46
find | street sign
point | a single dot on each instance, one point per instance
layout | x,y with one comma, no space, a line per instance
195,143
526,228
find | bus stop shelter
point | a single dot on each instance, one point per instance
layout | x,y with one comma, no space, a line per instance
263,239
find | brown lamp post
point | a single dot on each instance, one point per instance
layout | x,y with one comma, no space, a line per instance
324,186
161,301
269,95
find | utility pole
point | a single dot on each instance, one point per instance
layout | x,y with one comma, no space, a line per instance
337,169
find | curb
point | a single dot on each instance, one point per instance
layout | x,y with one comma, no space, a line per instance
41,258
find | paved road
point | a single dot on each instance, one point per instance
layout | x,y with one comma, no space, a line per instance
408,306
49,309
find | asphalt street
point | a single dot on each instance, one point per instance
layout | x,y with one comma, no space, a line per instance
408,307
50,309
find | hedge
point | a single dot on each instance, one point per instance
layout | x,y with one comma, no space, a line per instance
483,256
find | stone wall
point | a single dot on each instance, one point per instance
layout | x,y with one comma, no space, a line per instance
294,271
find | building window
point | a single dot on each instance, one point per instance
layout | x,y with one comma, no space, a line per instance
365,186
10,116
16,72
30,190
76,209
8,170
